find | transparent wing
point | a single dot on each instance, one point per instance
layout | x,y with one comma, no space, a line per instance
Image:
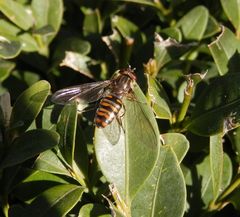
113,131
83,94
140,124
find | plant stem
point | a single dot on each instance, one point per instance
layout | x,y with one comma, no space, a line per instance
230,188
186,101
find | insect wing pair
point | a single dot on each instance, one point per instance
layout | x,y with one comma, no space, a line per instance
109,93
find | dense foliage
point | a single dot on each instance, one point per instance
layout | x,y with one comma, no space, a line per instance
177,152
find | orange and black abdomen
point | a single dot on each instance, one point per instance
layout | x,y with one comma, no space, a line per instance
108,109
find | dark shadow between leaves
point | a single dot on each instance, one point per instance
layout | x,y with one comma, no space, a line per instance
234,63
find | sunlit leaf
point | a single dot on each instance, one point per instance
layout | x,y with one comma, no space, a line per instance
212,27
77,62
7,28
23,18
158,99
5,67
9,48
216,163
91,209
194,23
56,201
200,179
5,110
92,21
158,194
28,106
48,13
232,10
28,43
178,143
234,136
225,51
48,161
128,163
35,183
167,50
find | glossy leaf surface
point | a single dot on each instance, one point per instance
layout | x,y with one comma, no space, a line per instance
178,143
128,163
201,178
66,127
89,210
9,48
158,194
158,99
23,19
194,23
232,10
48,12
29,145
28,106
48,161
216,163
56,201
217,109
225,51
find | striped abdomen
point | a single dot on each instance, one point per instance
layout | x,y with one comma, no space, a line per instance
108,109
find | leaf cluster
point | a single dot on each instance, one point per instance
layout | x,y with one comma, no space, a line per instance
178,148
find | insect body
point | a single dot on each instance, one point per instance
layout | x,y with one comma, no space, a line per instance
109,92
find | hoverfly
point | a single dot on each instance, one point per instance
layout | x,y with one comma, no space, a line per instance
109,93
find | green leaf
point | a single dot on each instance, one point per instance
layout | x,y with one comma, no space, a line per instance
124,26
29,145
44,31
113,42
216,163
77,62
178,143
217,109
212,27
234,136
66,127
158,99
81,158
167,50
92,21
225,51
130,36
35,183
129,162
200,179
5,68
7,28
172,32
194,23
48,13
56,201
145,2
22,18
75,44
28,106
29,44
96,210
9,48
48,161
232,10
5,110
158,194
